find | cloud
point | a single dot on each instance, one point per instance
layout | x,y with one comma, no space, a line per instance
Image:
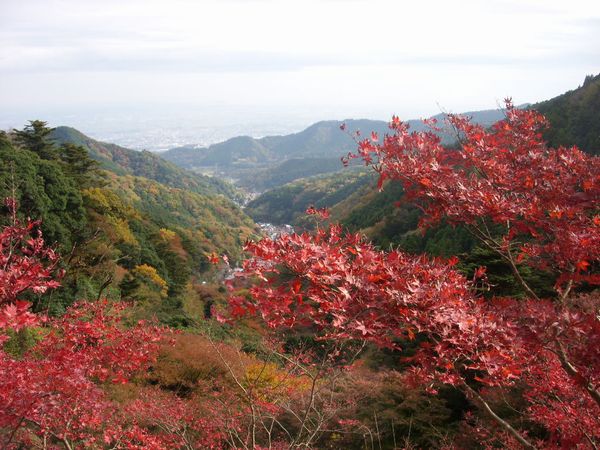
277,51
74,58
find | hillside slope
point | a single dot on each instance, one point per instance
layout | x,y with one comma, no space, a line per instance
122,235
124,161
259,164
575,117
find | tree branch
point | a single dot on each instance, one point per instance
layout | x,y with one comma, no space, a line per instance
499,420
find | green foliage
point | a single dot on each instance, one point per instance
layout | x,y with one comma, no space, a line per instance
21,341
79,165
370,208
287,204
129,286
43,189
575,117
37,138
500,278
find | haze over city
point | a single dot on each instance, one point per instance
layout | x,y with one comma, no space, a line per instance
152,74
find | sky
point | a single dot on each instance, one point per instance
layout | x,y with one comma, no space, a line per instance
283,59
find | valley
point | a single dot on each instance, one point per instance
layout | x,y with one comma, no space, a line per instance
260,281
314,225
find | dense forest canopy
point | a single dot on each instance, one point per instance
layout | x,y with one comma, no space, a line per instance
110,223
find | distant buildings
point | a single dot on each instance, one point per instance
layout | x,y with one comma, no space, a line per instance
274,231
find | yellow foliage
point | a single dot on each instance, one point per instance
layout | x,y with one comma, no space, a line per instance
149,273
122,231
167,234
270,383
105,201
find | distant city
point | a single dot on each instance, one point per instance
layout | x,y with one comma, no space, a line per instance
159,129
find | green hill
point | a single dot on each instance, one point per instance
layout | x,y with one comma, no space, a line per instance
259,164
124,161
575,117
128,224
287,204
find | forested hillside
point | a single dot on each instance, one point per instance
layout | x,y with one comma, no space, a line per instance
131,224
124,161
321,339
575,117
288,203
259,164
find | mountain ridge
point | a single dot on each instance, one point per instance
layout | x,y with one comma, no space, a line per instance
124,161
312,141
574,118
264,163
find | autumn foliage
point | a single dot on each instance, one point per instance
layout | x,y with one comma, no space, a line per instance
534,206
529,367
27,264
56,373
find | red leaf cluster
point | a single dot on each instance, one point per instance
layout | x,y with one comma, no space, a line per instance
26,264
55,388
547,198
532,205
346,289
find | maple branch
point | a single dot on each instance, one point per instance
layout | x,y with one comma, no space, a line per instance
62,439
311,399
564,294
494,245
246,392
103,286
13,432
518,276
590,440
573,372
22,420
503,423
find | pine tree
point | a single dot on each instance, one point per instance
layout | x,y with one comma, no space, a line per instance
129,286
35,137
79,165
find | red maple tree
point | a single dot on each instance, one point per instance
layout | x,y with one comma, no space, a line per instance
53,392
531,204
26,265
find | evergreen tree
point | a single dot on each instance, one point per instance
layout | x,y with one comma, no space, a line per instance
35,137
129,286
79,165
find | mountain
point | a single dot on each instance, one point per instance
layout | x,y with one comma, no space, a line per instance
259,164
287,204
124,161
128,224
320,140
575,117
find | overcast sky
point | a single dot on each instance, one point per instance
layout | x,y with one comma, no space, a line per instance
350,58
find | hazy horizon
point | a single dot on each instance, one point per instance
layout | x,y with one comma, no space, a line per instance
206,70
